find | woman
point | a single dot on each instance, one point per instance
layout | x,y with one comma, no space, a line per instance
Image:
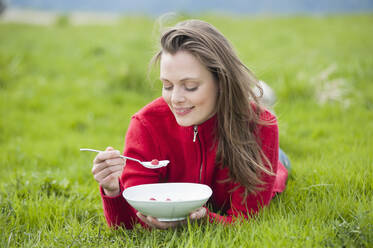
208,123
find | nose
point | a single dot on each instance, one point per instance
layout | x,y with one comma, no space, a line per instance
177,95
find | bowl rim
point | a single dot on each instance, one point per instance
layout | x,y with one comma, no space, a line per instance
164,201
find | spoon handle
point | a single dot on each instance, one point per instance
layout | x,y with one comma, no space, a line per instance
93,150
133,159
90,150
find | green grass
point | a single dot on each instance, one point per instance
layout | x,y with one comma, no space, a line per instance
64,87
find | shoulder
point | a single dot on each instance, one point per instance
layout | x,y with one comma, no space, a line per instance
265,115
149,121
267,126
155,115
157,106
155,110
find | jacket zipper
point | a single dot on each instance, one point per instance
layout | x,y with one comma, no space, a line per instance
200,148
195,133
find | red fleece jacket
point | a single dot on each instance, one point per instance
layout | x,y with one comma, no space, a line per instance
154,134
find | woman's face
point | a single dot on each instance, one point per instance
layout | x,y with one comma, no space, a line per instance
188,88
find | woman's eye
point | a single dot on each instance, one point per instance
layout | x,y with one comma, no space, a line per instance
191,88
167,87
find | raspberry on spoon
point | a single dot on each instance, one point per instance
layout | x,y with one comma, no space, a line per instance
154,162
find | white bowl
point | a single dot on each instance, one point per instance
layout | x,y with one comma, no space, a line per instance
167,201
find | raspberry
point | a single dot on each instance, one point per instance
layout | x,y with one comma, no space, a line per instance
152,199
168,199
154,162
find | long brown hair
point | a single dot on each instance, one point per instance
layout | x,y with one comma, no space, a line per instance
238,144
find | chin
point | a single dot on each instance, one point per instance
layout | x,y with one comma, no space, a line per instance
184,123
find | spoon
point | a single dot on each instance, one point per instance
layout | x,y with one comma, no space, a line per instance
149,165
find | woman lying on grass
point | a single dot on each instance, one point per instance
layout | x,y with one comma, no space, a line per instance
208,123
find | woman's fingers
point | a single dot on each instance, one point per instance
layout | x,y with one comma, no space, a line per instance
107,168
107,163
164,225
155,223
198,214
101,170
104,173
102,156
144,219
109,148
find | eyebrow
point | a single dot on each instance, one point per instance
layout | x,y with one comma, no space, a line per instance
183,79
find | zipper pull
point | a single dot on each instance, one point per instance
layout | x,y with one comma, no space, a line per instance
195,133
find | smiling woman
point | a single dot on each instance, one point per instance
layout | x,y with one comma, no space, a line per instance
189,88
208,123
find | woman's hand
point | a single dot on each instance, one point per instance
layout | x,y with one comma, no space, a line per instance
107,168
154,223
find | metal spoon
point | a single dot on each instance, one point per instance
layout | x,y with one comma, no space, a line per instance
149,165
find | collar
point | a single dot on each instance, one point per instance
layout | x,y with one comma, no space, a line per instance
204,130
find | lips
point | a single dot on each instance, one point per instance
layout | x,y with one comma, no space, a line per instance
182,111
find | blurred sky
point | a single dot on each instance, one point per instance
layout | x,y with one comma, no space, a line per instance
156,7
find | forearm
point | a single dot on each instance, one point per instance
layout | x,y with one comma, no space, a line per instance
117,211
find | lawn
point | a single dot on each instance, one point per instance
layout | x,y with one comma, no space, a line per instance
63,87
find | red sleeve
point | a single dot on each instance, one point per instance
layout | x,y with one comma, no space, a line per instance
116,210
268,136
138,144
